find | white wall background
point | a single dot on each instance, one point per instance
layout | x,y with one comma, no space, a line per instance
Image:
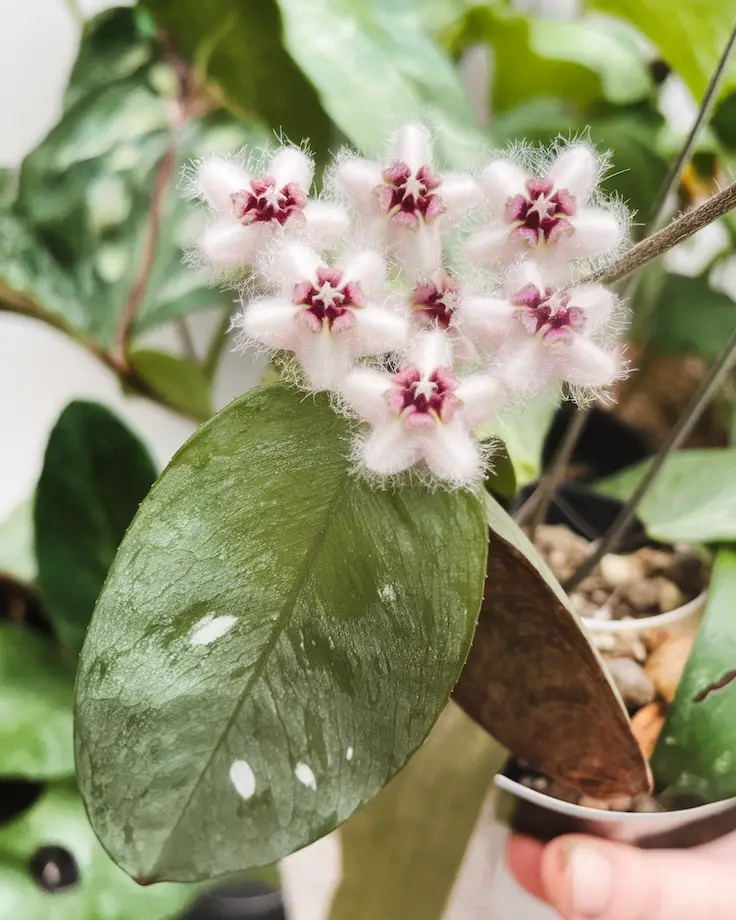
41,371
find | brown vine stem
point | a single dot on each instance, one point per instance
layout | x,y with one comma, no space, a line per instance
668,237
676,438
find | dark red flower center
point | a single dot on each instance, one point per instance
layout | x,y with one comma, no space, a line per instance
423,400
328,303
409,197
548,313
264,202
435,303
541,214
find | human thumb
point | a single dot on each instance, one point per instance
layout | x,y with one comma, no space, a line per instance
589,879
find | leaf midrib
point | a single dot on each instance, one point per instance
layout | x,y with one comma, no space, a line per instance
283,619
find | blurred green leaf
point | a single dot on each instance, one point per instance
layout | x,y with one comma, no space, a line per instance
686,316
579,60
724,122
180,381
17,556
690,36
523,435
501,474
693,500
95,474
107,241
696,752
401,854
376,66
103,891
275,639
238,43
36,695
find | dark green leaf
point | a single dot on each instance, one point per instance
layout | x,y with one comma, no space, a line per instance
274,640
17,556
693,499
181,382
724,122
238,43
696,752
375,66
501,475
685,316
108,241
95,474
103,891
424,818
691,41
36,738
535,682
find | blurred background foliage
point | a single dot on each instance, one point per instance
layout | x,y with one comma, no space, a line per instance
94,225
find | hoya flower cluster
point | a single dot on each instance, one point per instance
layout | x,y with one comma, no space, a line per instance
425,301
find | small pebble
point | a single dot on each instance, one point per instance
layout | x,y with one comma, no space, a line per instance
618,571
615,803
646,725
670,597
634,684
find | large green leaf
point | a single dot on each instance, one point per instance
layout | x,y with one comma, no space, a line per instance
95,474
690,36
17,556
104,245
35,707
273,642
692,500
103,892
696,752
534,680
686,316
580,60
423,819
239,44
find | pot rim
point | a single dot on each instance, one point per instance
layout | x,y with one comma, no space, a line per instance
645,624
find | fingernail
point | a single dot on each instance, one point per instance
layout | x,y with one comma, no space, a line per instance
590,876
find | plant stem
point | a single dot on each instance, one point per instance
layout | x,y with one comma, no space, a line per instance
673,442
706,106
216,346
668,237
535,512
187,343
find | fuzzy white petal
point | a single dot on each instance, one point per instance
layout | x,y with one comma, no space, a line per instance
364,390
412,145
525,364
459,193
359,178
271,321
491,246
490,320
228,244
481,396
217,179
576,170
501,180
367,268
292,263
326,223
292,165
597,301
525,272
596,232
418,251
452,454
325,358
389,449
430,350
583,363
377,331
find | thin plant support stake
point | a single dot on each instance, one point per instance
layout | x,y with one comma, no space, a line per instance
673,442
